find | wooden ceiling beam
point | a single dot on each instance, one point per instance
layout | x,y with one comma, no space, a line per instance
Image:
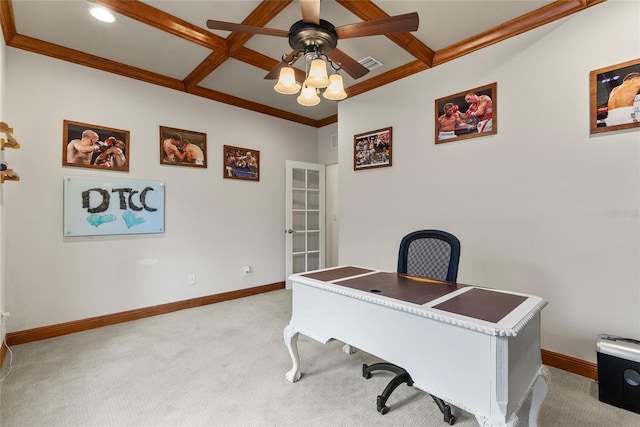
81,58
156,18
386,78
254,58
260,16
544,15
328,121
368,11
211,62
253,106
233,46
7,21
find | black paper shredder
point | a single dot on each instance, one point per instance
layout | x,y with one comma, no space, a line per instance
619,372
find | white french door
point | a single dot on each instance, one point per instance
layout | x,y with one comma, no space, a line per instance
305,217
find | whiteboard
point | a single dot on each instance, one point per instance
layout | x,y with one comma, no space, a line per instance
100,206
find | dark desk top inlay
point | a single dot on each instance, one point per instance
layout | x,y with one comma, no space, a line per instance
483,304
478,303
405,288
336,273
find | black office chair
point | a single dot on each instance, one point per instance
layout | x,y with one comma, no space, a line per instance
427,253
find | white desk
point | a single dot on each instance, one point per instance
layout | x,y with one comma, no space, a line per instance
475,348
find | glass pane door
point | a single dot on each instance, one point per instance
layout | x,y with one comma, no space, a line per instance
305,217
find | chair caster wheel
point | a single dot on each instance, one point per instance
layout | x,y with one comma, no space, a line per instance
450,421
365,374
384,410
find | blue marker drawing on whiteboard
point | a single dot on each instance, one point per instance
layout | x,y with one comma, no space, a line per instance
97,220
131,220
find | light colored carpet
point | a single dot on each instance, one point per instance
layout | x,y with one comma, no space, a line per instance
224,365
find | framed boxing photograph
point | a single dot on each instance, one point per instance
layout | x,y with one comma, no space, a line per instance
93,146
468,114
372,149
240,163
181,147
614,94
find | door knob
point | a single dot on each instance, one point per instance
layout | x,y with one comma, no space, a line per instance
290,231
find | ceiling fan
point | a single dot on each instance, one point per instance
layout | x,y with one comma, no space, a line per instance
316,37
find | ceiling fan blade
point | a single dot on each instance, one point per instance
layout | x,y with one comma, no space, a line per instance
229,26
310,11
274,74
393,24
348,64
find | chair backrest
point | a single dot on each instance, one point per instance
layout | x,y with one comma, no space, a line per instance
430,253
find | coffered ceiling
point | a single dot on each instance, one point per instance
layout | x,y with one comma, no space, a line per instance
167,43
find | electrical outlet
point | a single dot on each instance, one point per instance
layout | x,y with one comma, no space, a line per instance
247,270
191,279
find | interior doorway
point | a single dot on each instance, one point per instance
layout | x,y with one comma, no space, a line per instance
305,222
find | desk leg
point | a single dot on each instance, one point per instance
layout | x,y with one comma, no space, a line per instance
540,388
537,391
291,341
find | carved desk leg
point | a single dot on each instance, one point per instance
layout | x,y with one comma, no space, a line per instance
291,341
540,388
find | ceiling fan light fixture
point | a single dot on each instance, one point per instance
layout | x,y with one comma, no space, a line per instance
308,96
317,40
318,74
287,84
335,90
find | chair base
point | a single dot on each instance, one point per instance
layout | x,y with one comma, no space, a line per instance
402,376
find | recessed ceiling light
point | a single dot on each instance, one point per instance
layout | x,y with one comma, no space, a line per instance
102,14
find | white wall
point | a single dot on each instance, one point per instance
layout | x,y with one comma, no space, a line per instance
3,50
533,206
214,226
329,156
326,154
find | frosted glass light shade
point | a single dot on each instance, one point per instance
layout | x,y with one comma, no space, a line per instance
317,74
287,84
308,97
335,90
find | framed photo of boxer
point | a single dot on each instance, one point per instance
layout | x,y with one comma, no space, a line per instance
93,146
465,115
241,163
181,147
372,149
615,97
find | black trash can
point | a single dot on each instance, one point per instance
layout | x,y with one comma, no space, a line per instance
619,371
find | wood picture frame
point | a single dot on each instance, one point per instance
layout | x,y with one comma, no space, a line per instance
468,114
179,147
373,149
614,97
91,146
240,163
